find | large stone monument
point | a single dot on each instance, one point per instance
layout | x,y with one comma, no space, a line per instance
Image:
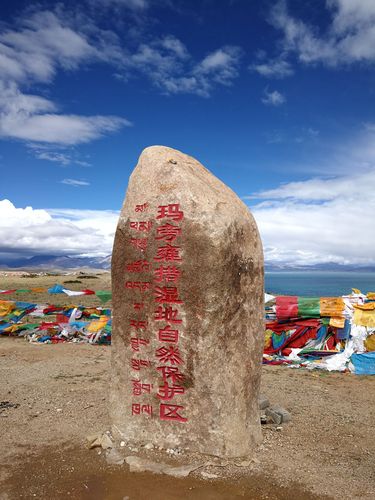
187,277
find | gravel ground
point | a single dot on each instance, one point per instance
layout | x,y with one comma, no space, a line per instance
53,396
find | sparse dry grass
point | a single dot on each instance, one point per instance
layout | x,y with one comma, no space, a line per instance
20,280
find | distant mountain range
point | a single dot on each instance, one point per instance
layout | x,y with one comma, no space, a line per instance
327,266
54,262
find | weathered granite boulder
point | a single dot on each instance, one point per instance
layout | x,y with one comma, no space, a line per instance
187,277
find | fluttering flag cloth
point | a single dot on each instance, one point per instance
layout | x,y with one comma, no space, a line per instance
327,342
56,289
364,363
286,307
308,307
364,315
6,307
331,306
104,295
72,293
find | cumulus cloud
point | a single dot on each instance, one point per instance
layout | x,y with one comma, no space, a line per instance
273,98
28,117
32,52
33,118
39,45
350,37
44,42
319,220
301,223
28,231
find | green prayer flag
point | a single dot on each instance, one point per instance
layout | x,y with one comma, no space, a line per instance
308,307
104,295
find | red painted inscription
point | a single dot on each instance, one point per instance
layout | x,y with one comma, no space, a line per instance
168,314
171,412
170,354
171,211
168,335
167,295
137,409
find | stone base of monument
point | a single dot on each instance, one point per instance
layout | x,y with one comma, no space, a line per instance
173,462
177,462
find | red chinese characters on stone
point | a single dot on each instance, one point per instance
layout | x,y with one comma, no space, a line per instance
139,243
138,266
171,412
171,373
141,208
168,335
167,295
144,226
167,314
168,392
137,364
138,409
171,211
170,354
138,325
136,343
139,388
168,253
170,273
167,273
167,232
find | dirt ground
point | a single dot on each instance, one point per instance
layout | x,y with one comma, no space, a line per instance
57,394
53,396
22,280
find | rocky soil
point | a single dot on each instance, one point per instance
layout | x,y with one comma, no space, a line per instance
53,396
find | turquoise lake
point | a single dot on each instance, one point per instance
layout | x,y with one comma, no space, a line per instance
318,283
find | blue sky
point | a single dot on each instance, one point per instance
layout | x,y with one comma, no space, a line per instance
276,98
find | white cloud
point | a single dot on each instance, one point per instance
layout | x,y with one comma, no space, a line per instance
60,129
219,59
129,4
61,158
29,118
75,182
222,65
319,220
350,38
31,231
352,14
40,44
171,68
301,223
42,152
322,189
175,45
275,68
273,98
32,52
